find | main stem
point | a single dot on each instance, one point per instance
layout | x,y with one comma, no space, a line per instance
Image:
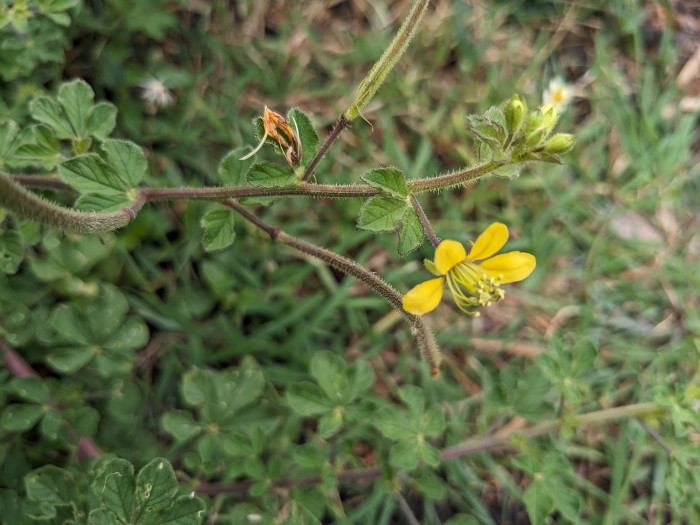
419,327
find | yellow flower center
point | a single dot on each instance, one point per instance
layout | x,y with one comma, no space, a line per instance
472,286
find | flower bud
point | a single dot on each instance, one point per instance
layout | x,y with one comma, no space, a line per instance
515,113
549,118
559,143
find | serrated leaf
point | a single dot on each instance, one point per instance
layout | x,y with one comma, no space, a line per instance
76,97
433,421
48,111
232,170
307,134
156,486
19,417
218,230
90,174
127,160
411,233
11,251
94,202
115,486
36,153
307,399
388,180
102,119
185,510
381,214
270,175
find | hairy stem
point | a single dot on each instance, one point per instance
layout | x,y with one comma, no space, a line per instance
28,205
376,76
424,221
419,327
332,137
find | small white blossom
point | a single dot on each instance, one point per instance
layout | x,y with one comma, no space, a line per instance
155,93
558,94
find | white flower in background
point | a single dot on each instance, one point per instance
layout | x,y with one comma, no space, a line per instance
155,93
558,94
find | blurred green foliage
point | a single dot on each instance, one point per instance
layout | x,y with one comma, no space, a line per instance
279,390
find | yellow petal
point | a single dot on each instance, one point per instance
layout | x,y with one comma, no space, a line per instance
447,254
424,297
489,242
512,266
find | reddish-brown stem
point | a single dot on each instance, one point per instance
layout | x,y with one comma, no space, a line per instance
332,137
424,221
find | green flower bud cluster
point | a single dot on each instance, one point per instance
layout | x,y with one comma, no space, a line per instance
513,135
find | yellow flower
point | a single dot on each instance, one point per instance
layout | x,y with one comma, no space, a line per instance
471,283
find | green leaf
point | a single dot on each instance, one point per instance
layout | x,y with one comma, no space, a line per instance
381,214
405,454
127,160
102,119
90,174
8,132
70,359
269,175
11,251
48,111
433,421
232,170
330,423
300,515
51,484
509,171
388,180
76,97
307,134
97,202
185,510
222,394
102,517
29,388
180,425
415,401
307,399
115,486
218,230
411,233
429,484
156,487
19,417
394,424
